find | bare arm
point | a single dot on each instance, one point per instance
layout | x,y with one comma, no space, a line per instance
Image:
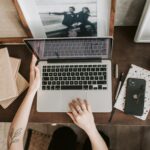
19,124
57,13
82,116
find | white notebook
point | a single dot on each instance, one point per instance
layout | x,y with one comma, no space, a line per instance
136,72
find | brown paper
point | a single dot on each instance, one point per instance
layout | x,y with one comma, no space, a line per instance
8,87
22,85
15,64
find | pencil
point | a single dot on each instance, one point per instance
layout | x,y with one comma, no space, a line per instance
117,94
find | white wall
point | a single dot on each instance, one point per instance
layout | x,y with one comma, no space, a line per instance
128,12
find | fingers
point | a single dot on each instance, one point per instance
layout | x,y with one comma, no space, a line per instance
33,62
82,104
73,110
32,68
32,74
88,106
37,73
77,107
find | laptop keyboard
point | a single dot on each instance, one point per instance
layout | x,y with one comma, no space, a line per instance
76,47
74,77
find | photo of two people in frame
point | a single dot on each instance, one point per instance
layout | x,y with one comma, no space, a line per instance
78,20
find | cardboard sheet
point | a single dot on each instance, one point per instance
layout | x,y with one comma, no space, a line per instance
8,87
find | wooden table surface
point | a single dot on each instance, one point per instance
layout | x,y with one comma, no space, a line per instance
125,52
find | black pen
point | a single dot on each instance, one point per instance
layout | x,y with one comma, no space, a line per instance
117,94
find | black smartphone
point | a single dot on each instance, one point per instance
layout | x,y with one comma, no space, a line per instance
135,95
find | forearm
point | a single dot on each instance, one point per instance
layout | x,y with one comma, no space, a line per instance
57,13
21,118
19,124
97,141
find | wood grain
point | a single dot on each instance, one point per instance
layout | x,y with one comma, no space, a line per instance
22,18
125,52
112,17
12,40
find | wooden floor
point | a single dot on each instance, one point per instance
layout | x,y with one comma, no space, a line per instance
128,137
121,137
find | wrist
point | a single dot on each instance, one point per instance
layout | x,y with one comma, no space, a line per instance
92,131
32,90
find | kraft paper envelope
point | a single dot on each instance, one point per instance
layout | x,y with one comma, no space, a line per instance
8,87
22,85
15,64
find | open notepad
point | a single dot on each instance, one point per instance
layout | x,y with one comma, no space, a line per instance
136,72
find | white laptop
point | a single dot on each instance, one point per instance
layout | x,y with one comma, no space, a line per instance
73,68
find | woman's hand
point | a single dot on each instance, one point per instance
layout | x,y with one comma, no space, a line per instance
34,76
82,115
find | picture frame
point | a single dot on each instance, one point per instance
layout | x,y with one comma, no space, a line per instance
29,30
22,18
11,29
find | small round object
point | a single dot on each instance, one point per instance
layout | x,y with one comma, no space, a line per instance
135,96
132,83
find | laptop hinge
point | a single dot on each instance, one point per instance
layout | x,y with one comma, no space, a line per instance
74,60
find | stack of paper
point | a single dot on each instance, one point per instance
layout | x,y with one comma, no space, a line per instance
12,83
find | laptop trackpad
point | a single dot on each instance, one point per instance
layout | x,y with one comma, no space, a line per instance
68,96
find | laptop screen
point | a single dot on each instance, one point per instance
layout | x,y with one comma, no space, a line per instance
71,48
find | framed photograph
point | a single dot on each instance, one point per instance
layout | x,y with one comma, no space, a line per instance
67,18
